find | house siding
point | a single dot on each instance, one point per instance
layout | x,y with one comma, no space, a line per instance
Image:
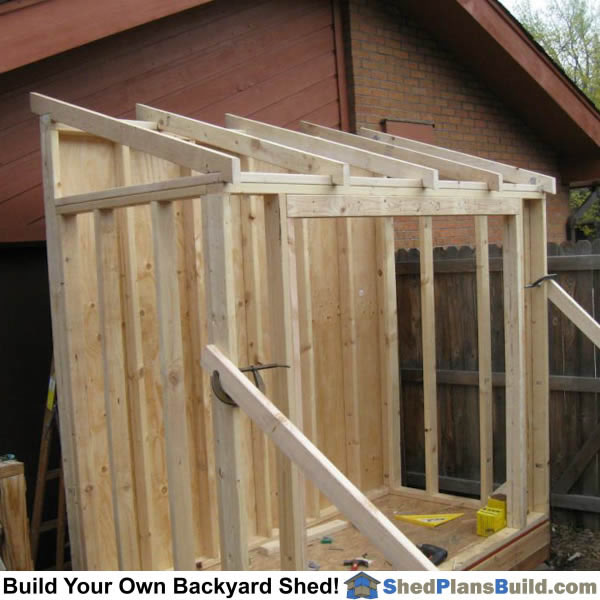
399,71
271,60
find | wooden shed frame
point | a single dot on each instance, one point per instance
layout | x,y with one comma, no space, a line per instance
328,173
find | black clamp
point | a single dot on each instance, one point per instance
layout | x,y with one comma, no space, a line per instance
223,396
541,280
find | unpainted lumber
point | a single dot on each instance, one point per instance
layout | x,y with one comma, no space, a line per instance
177,151
15,549
59,306
429,358
173,389
447,168
285,334
388,352
573,310
370,161
425,203
514,332
248,145
220,300
258,341
484,346
115,389
312,534
512,174
397,548
307,352
349,349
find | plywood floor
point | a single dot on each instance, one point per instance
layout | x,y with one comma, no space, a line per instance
454,536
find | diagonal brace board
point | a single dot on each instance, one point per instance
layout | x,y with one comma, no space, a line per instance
573,310
396,547
248,145
186,154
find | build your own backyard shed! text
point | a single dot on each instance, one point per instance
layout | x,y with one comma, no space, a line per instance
178,585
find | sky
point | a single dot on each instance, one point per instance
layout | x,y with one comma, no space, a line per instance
535,4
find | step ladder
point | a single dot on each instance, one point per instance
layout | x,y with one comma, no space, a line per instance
44,475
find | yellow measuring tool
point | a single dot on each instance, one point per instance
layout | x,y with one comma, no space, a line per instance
429,520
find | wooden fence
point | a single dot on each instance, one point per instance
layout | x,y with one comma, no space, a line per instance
574,388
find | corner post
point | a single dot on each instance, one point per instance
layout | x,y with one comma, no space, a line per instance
514,346
537,356
60,337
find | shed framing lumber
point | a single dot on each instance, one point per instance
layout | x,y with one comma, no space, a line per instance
173,389
180,152
405,201
259,342
429,358
248,145
204,452
220,310
137,398
370,161
456,190
510,173
573,310
133,195
514,333
484,345
309,206
115,390
537,354
61,344
397,548
388,352
350,358
307,352
448,168
239,265
285,335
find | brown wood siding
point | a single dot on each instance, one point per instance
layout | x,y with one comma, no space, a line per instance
36,29
270,60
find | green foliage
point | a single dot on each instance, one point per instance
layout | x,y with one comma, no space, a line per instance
569,31
588,223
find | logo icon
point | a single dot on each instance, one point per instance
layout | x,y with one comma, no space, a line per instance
362,585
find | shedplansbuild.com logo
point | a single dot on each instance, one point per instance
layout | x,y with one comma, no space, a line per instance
494,586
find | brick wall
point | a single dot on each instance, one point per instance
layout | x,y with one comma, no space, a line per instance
398,71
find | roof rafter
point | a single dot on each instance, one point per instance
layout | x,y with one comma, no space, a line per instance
183,153
451,169
248,145
358,157
510,173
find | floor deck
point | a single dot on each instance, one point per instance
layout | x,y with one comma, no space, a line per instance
455,536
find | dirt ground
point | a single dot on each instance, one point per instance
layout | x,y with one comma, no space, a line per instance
574,549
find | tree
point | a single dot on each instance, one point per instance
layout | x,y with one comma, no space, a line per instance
569,31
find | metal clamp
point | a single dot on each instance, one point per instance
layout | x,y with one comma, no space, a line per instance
541,280
223,396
